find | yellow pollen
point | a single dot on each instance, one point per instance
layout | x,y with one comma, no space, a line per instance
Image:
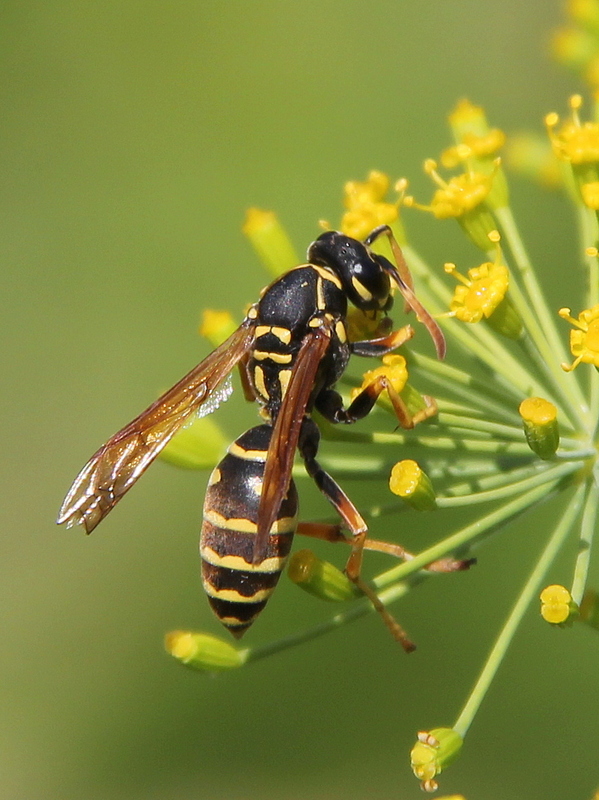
584,342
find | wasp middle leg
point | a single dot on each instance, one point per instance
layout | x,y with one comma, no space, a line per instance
308,447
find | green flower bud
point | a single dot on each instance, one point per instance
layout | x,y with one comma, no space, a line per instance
320,578
540,426
557,606
433,752
412,484
203,652
270,241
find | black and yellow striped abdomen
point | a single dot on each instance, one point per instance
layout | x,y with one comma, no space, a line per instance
237,589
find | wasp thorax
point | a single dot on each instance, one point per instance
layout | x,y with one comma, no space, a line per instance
363,274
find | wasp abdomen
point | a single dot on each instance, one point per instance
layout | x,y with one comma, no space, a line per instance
237,589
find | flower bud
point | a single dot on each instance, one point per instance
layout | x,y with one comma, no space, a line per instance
433,752
557,606
412,484
216,326
320,578
270,241
540,426
202,651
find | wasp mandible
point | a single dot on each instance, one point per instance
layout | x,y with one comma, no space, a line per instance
291,349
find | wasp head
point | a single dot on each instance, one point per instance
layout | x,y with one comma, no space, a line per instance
364,275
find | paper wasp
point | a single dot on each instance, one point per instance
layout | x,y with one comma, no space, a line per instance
291,349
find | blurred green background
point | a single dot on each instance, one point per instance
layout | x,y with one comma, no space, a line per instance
133,137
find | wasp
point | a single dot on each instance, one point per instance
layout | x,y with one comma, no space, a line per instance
291,349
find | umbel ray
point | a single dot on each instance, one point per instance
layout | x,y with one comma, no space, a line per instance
291,349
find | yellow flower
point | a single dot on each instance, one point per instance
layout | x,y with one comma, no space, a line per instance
480,293
584,342
460,194
475,139
366,206
575,142
463,198
393,368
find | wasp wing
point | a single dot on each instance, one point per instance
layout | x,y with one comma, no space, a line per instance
285,436
115,467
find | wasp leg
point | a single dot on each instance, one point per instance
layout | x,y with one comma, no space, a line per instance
329,532
386,344
330,405
308,447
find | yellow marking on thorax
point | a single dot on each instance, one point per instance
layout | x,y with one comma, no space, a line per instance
320,301
278,358
327,275
248,455
284,334
261,330
284,378
274,564
361,289
260,383
252,313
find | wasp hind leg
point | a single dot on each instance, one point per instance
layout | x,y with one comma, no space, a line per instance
308,447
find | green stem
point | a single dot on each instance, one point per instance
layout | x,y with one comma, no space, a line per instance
359,608
410,439
540,323
466,536
589,235
485,395
506,635
500,493
587,530
473,424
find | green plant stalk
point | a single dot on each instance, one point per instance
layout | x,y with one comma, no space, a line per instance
506,635
587,530
466,536
359,608
462,385
544,332
548,476
410,439
497,479
471,423
589,236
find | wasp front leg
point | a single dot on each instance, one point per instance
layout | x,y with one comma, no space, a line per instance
308,447
330,404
